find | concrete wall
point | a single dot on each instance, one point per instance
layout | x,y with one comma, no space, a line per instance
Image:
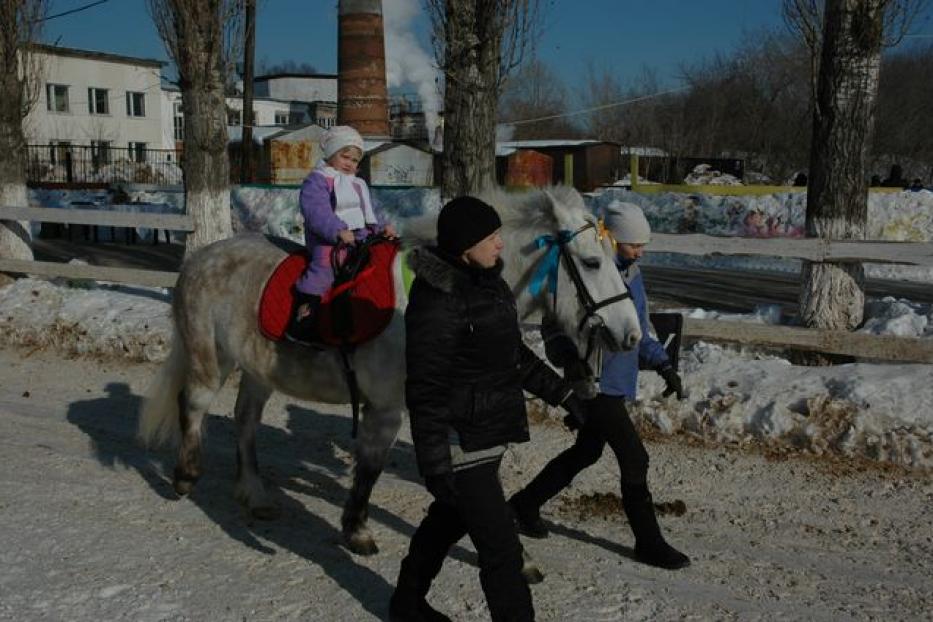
300,88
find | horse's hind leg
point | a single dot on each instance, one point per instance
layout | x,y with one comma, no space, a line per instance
193,402
377,432
249,489
206,376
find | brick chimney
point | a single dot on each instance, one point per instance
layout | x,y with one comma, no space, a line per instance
362,97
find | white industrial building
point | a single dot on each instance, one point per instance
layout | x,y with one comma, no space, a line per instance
96,99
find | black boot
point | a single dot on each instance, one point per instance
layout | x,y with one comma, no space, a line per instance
650,546
302,330
408,602
527,517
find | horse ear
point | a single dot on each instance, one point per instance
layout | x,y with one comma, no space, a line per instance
558,207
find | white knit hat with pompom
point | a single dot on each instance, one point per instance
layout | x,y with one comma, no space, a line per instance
338,137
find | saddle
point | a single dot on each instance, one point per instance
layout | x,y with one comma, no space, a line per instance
356,309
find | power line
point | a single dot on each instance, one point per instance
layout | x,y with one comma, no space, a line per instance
71,11
595,108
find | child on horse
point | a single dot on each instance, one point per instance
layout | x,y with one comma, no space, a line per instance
337,208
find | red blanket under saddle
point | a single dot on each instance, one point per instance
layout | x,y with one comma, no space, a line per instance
372,298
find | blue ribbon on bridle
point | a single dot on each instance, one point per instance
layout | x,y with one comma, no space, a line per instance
550,264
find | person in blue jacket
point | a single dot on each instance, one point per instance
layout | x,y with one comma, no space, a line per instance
607,420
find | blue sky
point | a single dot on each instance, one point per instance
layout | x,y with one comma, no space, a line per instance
621,36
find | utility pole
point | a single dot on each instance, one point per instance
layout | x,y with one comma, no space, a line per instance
246,146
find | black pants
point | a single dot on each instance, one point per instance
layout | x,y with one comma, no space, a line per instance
482,513
608,423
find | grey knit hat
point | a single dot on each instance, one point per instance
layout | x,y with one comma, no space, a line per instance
627,223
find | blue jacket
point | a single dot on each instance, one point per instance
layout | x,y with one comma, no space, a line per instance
619,376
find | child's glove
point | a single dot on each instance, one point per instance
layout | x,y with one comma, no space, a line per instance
674,384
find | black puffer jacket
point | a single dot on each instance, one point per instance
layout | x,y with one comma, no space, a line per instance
466,361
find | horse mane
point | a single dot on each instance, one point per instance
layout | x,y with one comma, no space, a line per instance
538,209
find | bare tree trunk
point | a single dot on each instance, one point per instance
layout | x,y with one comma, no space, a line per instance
246,144
195,35
470,97
17,20
477,42
832,295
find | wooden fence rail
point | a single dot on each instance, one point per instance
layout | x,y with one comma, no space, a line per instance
812,249
100,218
860,345
901,349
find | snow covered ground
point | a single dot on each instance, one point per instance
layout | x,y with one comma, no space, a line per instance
91,529
807,490
876,411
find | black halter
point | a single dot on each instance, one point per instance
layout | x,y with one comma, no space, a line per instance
548,271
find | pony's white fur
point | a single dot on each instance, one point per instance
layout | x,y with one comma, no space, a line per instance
215,313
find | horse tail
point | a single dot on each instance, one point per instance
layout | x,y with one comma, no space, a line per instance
159,419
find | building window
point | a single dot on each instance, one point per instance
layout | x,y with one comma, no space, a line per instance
135,104
281,118
296,118
137,152
98,101
179,122
56,98
59,151
100,152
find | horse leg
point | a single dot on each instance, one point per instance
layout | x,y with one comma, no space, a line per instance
206,375
247,412
377,432
193,402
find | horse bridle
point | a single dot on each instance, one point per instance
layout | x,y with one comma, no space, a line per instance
549,270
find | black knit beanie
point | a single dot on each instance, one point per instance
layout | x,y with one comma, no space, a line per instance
463,222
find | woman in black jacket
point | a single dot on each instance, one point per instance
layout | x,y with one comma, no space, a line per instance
466,369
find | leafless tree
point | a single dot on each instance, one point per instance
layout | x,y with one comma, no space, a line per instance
203,38
806,19
477,44
904,123
832,295
20,81
534,101
850,42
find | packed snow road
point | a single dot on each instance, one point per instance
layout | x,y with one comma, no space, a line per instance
90,528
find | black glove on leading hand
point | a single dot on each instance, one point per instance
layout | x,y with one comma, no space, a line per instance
576,411
674,384
443,486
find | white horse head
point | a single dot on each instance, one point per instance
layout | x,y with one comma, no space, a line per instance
559,263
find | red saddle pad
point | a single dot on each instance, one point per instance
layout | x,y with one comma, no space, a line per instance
372,298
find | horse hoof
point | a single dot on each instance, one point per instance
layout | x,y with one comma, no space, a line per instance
532,575
269,512
183,486
362,544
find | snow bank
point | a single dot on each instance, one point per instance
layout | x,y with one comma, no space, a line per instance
896,216
875,411
120,322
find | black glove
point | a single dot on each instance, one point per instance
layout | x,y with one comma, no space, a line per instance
674,385
443,486
577,410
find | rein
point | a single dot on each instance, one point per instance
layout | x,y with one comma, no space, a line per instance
548,272
349,262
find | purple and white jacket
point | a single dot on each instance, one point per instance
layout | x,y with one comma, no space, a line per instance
331,202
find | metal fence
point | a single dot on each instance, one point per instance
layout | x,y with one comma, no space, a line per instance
102,163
